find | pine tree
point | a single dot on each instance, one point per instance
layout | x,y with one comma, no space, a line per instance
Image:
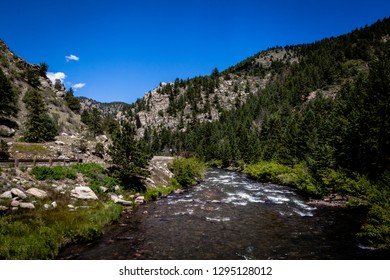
8,98
130,158
39,126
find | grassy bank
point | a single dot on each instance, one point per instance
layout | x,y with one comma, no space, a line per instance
187,172
356,189
39,234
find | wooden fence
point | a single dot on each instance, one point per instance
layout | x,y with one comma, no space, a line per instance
35,161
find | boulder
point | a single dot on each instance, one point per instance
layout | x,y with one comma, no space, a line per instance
37,193
54,204
18,193
3,208
114,198
26,205
6,194
83,193
59,143
140,200
5,131
103,189
15,203
102,138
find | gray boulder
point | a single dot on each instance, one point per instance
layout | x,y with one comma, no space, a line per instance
37,193
114,198
84,193
5,131
6,194
18,193
26,205
140,200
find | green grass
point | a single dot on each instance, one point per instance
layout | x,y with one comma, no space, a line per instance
39,234
29,148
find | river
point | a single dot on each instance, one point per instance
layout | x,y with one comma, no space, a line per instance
229,216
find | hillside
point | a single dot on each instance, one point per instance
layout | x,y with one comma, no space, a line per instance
39,119
23,77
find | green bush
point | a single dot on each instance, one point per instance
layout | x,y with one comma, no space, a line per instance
188,171
339,182
53,173
154,194
297,177
376,229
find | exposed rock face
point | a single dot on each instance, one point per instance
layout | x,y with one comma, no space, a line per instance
84,193
160,175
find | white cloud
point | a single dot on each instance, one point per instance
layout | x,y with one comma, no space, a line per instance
79,85
71,57
54,76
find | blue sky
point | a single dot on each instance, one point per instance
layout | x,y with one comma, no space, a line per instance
117,50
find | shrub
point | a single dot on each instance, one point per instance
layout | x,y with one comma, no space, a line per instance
376,229
4,150
188,171
53,173
297,177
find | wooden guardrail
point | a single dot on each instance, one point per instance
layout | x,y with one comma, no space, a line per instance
35,161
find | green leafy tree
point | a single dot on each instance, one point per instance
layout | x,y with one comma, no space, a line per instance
130,158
